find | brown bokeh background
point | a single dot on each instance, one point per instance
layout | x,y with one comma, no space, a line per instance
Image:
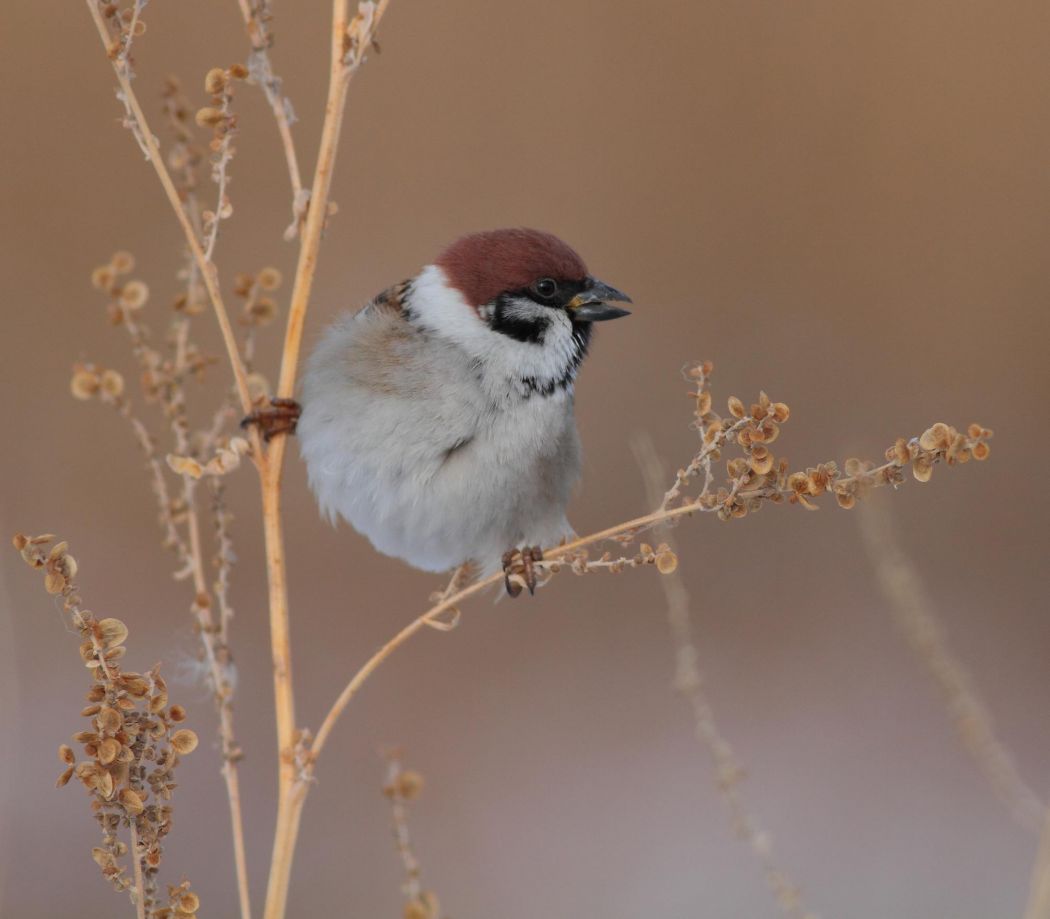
843,203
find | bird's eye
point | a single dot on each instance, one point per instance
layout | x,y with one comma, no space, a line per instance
546,287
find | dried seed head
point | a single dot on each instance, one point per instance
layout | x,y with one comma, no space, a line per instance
132,801
761,460
208,117
102,277
177,713
922,469
134,295
112,383
122,262
269,278
736,407
845,500
263,311
184,465
108,750
184,741
112,632
981,451
409,784
937,437
215,81
666,562
238,72
414,909
84,385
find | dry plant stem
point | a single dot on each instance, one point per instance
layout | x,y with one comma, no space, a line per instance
140,904
212,638
221,689
637,525
207,269
916,617
292,791
1039,888
689,683
260,41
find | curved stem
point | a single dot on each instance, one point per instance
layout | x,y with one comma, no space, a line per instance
359,678
207,269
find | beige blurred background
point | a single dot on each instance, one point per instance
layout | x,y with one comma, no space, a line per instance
844,203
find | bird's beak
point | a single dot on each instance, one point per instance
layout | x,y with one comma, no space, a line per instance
592,304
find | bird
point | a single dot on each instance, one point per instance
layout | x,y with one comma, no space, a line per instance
438,420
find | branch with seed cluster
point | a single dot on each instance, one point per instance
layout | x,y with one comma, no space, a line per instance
131,748
400,787
103,15
219,116
753,479
163,381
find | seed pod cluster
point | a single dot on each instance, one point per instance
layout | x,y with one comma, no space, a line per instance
131,744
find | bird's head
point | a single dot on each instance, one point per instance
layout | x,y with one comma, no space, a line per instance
520,300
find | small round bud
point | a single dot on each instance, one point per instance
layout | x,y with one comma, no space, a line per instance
269,278
215,81
84,385
208,116
133,295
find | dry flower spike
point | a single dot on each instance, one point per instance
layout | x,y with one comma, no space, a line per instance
130,747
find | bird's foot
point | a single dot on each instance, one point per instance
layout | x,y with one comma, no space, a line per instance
280,417
519,565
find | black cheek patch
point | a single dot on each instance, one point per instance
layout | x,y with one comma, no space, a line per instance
519,328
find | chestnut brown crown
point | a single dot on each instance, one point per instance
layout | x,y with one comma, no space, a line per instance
484,265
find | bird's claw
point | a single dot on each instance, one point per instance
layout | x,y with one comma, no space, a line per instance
280,417
521,562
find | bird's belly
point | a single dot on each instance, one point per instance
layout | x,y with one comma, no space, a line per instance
437,502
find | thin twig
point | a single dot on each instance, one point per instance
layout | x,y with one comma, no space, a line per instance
261,70
208,272
689,683
915,614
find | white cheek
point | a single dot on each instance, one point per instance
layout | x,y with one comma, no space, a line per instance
442,310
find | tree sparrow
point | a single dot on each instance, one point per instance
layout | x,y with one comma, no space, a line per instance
438,420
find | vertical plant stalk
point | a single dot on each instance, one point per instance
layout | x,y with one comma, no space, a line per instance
221,688
350,40
140,887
